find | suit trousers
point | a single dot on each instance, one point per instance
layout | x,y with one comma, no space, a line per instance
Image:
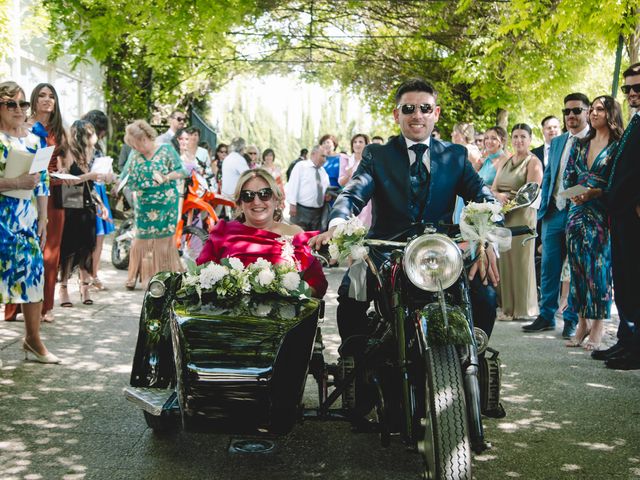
308,218
625,260
554,251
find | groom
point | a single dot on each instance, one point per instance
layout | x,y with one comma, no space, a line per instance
413,179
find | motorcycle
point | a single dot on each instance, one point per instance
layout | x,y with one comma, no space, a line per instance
240,367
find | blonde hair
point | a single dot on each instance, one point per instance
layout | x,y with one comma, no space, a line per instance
10,89
138,130
267,177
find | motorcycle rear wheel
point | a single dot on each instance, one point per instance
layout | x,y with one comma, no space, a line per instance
445,445
120,249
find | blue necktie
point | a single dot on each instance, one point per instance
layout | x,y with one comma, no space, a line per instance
419,182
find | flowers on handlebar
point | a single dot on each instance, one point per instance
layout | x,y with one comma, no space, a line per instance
348,240
230,278
478,225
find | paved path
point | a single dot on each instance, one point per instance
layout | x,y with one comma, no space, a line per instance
567,416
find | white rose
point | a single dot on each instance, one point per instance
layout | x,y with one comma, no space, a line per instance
290,281
261,264
236,264
334,251
265,277
212,274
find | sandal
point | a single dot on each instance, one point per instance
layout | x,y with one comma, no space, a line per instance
48,317
97,284
591,346
578,341
64,296
84,293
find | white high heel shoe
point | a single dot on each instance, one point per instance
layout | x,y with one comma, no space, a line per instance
48,358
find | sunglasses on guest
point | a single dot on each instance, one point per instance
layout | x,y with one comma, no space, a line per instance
180,119
12,105
264,194
626,89
408,108
575,111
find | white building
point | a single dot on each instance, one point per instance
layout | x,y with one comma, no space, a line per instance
25,61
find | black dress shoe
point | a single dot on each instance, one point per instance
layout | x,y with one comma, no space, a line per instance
539,325
626,361
568,331
609,353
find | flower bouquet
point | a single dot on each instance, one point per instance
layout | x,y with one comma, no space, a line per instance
478,225
348,242
230,279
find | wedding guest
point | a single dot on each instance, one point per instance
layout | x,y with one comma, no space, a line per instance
268,163
329,144
22,222
588,241
348,165
79,234
153,170
45,110
518,290
258,232
104,217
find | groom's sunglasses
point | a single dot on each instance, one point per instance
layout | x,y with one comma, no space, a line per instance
409,109
264,194
627,88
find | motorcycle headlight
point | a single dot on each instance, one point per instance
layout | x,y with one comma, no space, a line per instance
432,260
156,288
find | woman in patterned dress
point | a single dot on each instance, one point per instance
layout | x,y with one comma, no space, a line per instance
588,244
23,222
153,171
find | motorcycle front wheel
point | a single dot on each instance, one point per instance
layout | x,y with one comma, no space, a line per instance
192,241
445,445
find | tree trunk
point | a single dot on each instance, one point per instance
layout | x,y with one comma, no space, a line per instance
502,118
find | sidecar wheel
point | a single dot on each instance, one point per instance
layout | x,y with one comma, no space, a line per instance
445,445
160,424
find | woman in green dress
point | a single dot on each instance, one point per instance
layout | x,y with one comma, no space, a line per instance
152,173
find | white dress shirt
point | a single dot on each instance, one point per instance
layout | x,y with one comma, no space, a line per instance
426,159
301,188
233,166
561,202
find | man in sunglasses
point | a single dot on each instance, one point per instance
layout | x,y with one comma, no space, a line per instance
623,199
177,120
413,179
553,213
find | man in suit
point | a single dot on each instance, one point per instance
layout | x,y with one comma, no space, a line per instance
550,130
553,213
623,199
413,179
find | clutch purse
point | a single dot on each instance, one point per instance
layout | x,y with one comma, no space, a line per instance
73,196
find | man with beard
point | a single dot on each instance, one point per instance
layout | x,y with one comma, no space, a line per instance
553,213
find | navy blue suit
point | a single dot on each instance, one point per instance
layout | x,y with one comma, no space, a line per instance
622,198
383,177
554,248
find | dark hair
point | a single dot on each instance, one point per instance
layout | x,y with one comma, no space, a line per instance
581,97
546,119
192,130
79,134
175,112
415,85
326,136
267,152
54,125
614,119
521,126
632,70
378,137
358,135
220,147
303,152
501,132
99,120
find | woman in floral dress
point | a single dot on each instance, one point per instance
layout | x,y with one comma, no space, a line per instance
588,244
23,222
153,171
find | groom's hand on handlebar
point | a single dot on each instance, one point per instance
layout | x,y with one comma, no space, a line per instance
489,259
321,239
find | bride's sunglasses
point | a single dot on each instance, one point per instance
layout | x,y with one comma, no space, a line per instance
264,194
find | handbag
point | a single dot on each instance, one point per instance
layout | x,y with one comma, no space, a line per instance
73,196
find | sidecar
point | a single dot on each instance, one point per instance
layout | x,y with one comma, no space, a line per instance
232,366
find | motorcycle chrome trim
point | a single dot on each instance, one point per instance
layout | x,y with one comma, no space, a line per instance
151,400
